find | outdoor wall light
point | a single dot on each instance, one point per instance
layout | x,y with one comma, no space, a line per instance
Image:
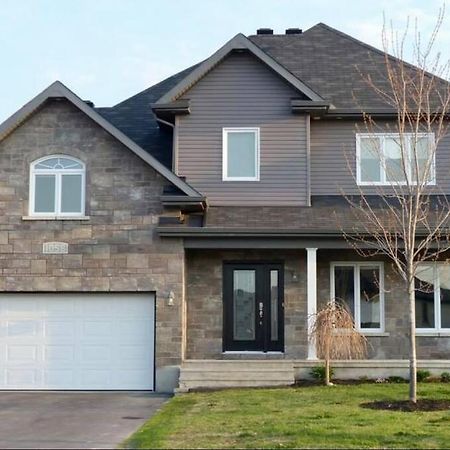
170,298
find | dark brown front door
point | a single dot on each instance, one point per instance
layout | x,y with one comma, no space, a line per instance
253,307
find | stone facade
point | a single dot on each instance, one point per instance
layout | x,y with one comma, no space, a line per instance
205,307
116,248
204,300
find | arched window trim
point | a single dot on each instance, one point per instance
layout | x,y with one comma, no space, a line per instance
57,172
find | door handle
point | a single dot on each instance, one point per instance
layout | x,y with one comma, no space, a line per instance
261,310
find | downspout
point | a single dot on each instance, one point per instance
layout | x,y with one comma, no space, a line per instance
308,159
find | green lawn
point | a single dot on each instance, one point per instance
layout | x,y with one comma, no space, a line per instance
318,417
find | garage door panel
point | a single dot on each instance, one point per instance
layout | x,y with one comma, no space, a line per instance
59,354
59,329
77,341
21,378
24,328
21,353
97,329
56,308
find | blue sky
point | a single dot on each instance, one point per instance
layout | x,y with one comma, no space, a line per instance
108,50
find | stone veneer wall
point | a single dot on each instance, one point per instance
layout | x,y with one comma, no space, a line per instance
116,249
205,310
394,345
204,300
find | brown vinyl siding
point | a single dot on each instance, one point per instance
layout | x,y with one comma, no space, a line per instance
243,92
333,153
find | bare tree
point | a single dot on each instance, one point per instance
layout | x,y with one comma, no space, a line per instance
404,214
335,335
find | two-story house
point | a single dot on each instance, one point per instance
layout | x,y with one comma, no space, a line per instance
198,225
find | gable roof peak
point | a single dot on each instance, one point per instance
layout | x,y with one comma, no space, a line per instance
59,90
238,42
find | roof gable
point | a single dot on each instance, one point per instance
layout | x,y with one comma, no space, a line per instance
59,90
239,42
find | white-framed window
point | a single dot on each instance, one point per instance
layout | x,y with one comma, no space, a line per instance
240,154
57,187
379,159
360,286
433,297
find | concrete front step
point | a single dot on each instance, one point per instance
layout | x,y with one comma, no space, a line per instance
198,374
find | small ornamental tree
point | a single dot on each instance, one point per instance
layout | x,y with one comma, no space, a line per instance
335,336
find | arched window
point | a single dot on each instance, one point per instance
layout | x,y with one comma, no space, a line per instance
57,186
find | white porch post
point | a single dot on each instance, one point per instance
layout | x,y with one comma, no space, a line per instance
311,296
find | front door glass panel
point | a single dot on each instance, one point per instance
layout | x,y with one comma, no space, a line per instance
244,296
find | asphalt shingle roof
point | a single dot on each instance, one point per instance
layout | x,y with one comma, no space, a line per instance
328,61
135,118
333,64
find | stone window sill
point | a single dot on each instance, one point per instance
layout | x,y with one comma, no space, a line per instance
250,352
432,333
55,218
375,334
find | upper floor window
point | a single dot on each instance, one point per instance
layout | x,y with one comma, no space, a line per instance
57,186
380,160
240,154
359,286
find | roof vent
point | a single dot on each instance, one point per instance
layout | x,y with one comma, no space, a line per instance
294,31
264,31
89,103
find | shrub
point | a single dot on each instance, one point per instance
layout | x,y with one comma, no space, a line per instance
396,379
445,377
422,375
319,373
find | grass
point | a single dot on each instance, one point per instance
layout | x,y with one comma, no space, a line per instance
313,417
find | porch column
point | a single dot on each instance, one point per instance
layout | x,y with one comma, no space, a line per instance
311,296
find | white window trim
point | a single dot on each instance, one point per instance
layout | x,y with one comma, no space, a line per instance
57,172
384,182
225,132
357,306
437,303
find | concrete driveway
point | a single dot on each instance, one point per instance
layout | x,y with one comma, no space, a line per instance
73,420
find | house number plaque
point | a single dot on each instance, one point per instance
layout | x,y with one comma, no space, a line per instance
55,248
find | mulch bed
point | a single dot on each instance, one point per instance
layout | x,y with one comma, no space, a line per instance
407,406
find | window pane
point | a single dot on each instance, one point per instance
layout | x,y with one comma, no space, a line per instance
370,159
344,286
244,305
44,194
71,187
393,164
421,150
59,163
241,154
425,282
274,305
49,163
444,284
370,297
67,163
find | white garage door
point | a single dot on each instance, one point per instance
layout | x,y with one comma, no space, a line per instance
76,341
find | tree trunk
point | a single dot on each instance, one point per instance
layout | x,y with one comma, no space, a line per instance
412,341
